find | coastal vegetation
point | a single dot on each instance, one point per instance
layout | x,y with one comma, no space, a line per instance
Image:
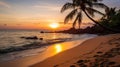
109,23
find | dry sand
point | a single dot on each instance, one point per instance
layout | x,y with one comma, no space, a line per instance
99,51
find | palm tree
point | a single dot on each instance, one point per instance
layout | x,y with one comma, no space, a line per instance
85,6
112,18
110,12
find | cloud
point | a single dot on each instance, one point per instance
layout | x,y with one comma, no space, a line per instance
4,4
48,7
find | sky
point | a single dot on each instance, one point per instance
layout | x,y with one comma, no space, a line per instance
37,14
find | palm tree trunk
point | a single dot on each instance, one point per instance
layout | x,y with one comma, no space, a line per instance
107,28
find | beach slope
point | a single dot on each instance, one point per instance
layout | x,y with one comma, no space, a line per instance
99,51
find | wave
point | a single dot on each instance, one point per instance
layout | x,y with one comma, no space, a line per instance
32,45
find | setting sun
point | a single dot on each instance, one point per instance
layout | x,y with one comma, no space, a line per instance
54,25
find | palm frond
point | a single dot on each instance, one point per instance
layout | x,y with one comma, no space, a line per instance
100,5
74,1
89,3
67,6
96,0
79,19
75,21
70,15
91,11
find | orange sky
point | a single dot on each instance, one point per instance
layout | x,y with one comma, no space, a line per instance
36,14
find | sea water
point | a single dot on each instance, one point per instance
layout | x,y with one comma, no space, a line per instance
11,40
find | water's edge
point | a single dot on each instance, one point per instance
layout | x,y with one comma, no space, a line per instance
36,50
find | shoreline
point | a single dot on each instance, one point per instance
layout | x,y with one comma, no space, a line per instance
30,60
65,58
77,55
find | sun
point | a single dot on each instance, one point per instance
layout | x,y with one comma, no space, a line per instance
54,25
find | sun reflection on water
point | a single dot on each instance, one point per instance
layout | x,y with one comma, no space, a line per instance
58,48
54,36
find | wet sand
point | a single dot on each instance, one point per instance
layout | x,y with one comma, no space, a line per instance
99,51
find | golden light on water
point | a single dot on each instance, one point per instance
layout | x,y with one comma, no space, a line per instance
58,48
54,36
54,25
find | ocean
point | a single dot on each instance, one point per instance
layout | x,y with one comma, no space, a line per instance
13,43
13,38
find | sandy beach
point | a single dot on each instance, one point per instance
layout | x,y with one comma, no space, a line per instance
59,33
99,51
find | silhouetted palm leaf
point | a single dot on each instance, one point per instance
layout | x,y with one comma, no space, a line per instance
67,6
75,21
110,12
100,5
70,15
91,11
79,19
96,0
